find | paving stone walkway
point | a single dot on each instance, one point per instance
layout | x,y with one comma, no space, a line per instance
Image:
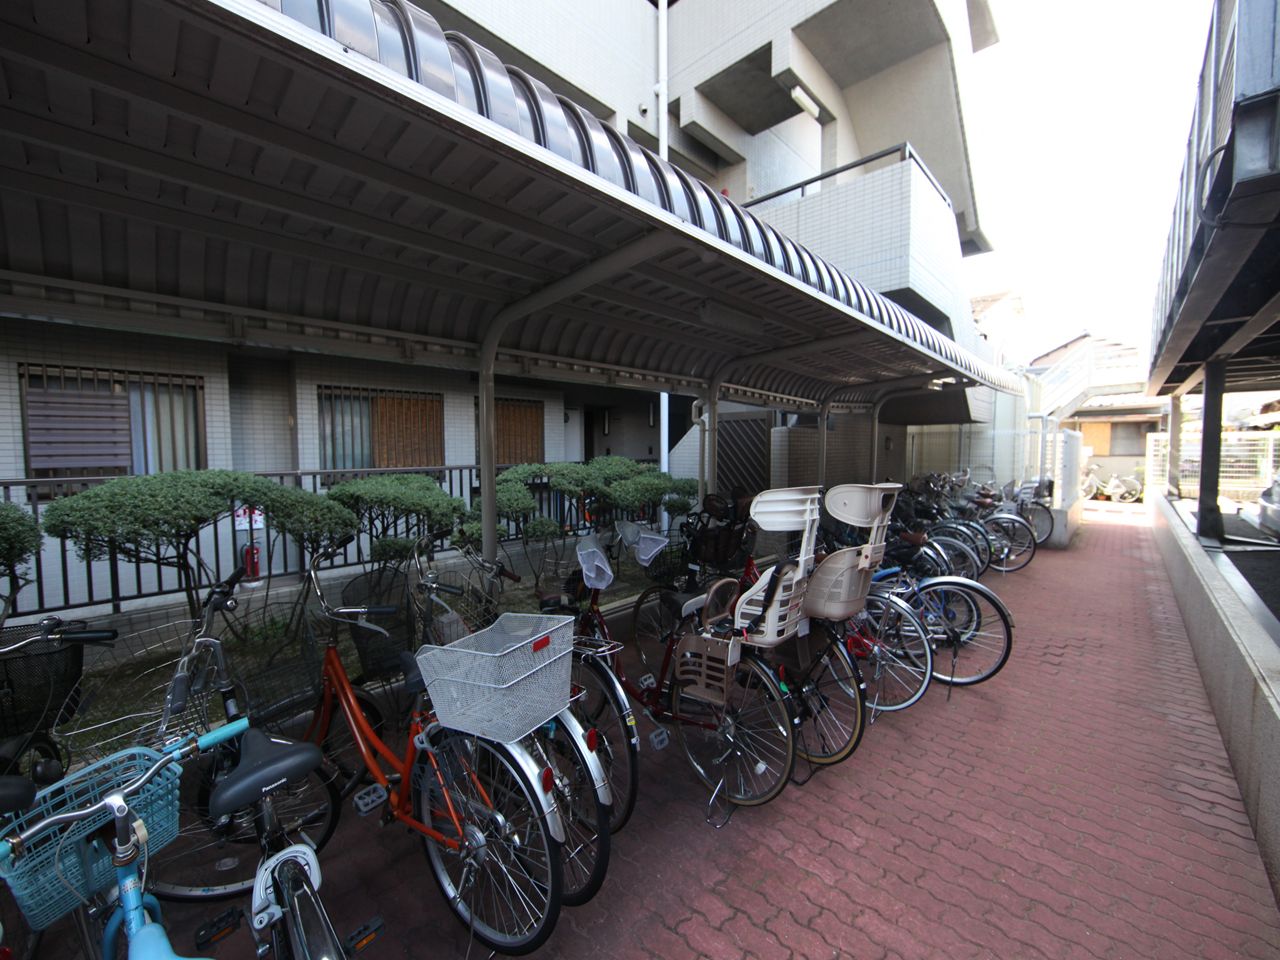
1079,805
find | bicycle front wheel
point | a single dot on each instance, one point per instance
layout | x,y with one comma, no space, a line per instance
892,646
744,747
504,881
1040,517
654,621
1015,539
972,636
603,706
829,698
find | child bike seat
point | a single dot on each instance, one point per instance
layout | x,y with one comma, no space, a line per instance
266,764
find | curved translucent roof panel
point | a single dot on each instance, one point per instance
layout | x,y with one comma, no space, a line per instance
346,176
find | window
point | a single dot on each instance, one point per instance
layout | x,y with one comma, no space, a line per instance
83,422
519,424
363,429
1130,439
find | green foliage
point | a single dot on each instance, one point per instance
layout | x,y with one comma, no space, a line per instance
677,506
644,492
603,473
541,528
384,502
570,479
311,519
392,549
525,473
19,538
514,499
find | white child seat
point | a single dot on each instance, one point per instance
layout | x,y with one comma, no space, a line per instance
785,510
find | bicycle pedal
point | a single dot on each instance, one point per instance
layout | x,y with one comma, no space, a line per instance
648,681
363,936
369,799
658,739
219,928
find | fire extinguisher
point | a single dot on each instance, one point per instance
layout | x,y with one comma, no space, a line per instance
251,557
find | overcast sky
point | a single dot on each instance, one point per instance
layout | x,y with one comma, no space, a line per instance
1077,123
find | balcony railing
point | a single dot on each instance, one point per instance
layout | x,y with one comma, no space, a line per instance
63,581
1210,130
902,153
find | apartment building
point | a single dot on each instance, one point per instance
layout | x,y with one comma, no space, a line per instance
299,237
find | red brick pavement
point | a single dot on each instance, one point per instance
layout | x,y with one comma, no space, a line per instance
1078,805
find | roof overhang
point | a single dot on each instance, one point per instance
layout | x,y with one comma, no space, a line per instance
210,169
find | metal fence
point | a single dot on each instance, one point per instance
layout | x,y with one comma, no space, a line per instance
1250,462
64,581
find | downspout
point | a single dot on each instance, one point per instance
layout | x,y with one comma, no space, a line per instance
696,411
660,91
823,416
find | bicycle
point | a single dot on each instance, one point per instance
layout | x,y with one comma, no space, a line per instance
573,747
484,808
1120,489
969,627
128,699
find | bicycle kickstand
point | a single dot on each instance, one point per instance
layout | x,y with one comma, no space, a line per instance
727,810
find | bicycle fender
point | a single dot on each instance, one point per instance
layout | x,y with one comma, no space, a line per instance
550,811
151,943
266,902
975,587
594,767
628,717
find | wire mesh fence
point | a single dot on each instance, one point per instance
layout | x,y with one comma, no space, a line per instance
1250,462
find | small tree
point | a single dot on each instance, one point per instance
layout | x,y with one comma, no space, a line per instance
386,503
19,540
312,520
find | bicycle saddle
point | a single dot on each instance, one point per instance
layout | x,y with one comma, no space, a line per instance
266,764
681,605
16,794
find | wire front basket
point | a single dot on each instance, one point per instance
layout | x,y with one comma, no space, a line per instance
35,680
379,651
66,864
119,702
272,656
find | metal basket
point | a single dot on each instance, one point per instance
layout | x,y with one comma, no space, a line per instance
271,653
119,702
704,666
504,681
670,565
67,863
35,680
379,653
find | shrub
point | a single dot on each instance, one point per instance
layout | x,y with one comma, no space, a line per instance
19,540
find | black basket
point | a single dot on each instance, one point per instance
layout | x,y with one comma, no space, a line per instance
272,654
453,616
670,566
380,653
35,680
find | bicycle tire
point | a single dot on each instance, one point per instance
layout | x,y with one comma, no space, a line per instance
585,854
892,645
1040,517
980,544
213,860
1132,491
653,622
604,707
962,560
1017,541
829,697
479,775
308,931
972,636
757,766
29,751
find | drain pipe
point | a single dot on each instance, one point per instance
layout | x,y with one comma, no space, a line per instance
696,411
660,91
824,415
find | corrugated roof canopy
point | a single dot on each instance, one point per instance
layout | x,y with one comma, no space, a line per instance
219,171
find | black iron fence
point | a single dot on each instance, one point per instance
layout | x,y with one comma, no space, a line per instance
64,581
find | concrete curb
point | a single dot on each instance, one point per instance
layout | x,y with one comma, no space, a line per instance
1239,663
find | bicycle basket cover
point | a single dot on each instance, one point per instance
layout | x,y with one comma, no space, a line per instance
596,572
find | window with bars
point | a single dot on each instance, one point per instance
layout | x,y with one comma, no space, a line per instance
362,429
519,431
86,422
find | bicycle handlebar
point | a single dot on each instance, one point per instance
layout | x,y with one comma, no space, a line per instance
179,751
374,610
50,628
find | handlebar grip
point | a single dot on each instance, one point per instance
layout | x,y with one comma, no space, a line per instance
6,849
382,610
449,588
344,542
86,636
504,572
235,577
178,691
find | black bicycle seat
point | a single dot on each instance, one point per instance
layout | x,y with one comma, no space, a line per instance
266,764
413,682
16,794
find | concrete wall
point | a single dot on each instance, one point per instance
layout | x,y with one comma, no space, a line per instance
1240,665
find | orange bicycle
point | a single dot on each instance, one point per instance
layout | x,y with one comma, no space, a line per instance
485,809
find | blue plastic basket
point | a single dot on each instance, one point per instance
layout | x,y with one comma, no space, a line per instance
82,859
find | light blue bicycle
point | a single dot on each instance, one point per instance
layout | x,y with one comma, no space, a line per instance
54,858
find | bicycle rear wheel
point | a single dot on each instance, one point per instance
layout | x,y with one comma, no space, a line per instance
1039,516
504,882
829,698
654,621
892,646
963,561
745,747
972,636
216,858
603,707
1015,541
308,931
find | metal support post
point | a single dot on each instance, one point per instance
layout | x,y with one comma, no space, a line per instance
1209,517
1174,470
